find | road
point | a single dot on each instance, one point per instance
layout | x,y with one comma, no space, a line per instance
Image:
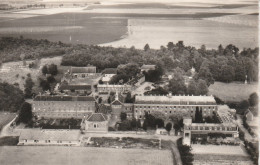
7,129
248,137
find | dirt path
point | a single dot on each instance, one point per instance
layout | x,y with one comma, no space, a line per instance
6,129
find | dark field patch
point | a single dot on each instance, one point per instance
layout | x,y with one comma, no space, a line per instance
91,31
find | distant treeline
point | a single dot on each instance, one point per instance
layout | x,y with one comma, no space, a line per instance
225,64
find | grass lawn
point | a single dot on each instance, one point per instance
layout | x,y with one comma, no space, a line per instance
58,155
232,91
5,118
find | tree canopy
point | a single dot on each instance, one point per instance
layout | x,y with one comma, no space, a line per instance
11,97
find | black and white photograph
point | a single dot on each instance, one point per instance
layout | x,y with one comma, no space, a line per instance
129,82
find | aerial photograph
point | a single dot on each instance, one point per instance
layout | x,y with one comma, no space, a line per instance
129,82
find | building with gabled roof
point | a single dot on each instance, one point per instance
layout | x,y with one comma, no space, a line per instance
49,137
83,72
146,68
170,105
60,106
95,122
75,89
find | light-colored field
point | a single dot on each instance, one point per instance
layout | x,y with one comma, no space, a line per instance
217,149
232,91
159,32
50,155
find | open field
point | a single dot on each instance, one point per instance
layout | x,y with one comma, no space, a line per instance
205,159
129,23
5,118
220,154
50,155
232,91
217,149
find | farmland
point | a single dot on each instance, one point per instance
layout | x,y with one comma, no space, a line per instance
232,91
134,23
82,155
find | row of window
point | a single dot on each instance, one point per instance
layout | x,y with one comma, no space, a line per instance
173,107
72,103
212,128
169,112
46,141
64,109
60,115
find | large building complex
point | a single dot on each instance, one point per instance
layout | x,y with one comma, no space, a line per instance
49,106
170,105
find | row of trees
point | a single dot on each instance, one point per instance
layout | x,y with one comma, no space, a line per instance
221,64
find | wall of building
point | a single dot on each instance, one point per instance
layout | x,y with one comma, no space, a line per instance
48,142
63,109
96,126
171,109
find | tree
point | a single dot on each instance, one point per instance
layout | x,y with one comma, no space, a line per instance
202,87
205,74
168,127
170,45
177,84
129,98
28,86
192,88
159,123
198,116
253,99
146,47
72,122
100,100
45,70
11,97
44,85
244,105
123,116
25,114
53,70
157,91
227,73
154,75
51,79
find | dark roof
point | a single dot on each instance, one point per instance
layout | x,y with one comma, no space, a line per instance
116,102
99,117
75,87
110,71
88,69
64,98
